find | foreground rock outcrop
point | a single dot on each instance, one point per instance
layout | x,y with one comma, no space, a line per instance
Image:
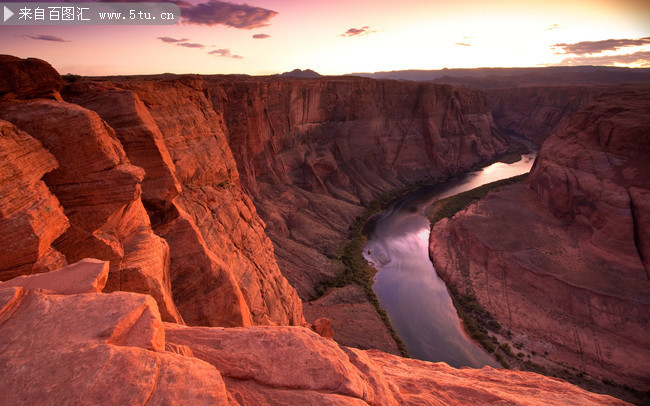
177,226
64,347
29,212
567,273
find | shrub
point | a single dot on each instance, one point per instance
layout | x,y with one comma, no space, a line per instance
70,78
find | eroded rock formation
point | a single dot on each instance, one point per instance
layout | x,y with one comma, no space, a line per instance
536,112
567,270
310,152
144,174
31,217
220,263
79,352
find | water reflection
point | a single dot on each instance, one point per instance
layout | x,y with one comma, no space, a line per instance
407,286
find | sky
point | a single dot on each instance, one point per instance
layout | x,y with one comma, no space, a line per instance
260,37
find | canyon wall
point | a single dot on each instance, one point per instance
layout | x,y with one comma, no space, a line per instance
143,174
536,112
567,272
312,152
171,164
177,226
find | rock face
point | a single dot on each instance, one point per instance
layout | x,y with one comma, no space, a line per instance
31,217
568,273
536,112
93,348
100,192
220,264
354,321
78,352
310,152
593,174
223,272
86,276
28,78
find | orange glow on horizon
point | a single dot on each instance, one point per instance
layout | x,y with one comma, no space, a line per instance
414,34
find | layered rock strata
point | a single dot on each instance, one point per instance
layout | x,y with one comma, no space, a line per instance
220,263
311,152
31,217
567,273
536,112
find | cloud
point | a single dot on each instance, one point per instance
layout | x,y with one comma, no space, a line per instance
464,44
358,32
46,38
216,12
261,36
172,40
594,47
552,27
226,53
641,58
190,45
220,52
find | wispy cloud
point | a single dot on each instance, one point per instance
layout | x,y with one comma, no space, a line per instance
225,53
261,36
465,44
172,40
594,47
552,27
641,58
45,38
358,32
234,15
190,45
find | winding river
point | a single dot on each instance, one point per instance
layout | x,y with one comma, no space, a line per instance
407,285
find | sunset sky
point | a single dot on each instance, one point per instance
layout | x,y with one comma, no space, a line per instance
343,36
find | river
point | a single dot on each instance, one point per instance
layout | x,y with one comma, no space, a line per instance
407,285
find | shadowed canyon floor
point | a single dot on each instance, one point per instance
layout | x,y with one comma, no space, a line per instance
201,201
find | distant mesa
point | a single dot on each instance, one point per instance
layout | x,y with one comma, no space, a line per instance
298,73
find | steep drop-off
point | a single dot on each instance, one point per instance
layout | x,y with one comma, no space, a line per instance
311,152
139,174
567,272
208,241
536,112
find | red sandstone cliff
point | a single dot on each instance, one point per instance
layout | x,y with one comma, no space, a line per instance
207,242
310,152
536,112
567,271
140,174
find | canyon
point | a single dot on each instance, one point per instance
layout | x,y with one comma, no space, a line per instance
212,206
578,229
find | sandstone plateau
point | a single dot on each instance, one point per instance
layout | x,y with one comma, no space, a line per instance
63,341
152,229
568,272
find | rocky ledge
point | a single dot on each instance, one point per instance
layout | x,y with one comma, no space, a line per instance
64,341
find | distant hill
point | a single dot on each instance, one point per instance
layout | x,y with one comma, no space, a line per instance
513,77
298,73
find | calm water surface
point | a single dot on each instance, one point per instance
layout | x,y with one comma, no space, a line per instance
407,285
